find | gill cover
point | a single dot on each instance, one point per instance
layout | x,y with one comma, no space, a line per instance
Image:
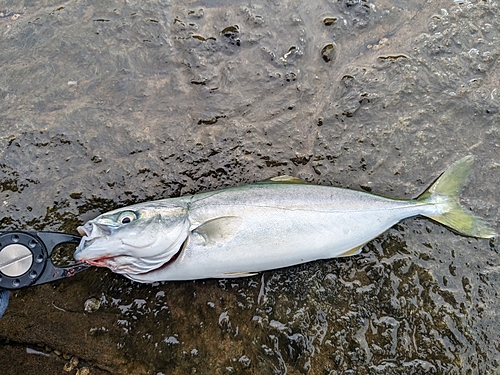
133,239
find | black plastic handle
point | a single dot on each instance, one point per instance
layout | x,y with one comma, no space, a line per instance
25,258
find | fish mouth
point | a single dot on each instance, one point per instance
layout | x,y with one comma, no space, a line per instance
90,233
92,229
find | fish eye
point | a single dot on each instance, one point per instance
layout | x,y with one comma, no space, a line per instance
127,217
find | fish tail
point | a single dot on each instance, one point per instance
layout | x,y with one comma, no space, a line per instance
444,191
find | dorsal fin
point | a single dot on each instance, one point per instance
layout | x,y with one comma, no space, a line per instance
284,180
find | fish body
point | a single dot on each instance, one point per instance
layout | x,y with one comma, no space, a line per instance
272,224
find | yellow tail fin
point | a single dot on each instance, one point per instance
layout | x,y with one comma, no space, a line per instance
445,190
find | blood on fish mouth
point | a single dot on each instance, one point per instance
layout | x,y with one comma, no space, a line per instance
103,262
99,262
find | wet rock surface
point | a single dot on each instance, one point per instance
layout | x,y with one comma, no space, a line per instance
105,104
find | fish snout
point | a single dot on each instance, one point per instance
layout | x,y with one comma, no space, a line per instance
81,230
94,230
90,232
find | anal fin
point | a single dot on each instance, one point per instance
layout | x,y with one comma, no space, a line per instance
354,251
239,274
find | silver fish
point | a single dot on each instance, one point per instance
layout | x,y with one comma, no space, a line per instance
276,223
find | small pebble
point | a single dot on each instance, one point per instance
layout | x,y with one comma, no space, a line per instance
83,371
91,305
68,367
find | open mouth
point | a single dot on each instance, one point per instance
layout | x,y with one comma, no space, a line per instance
84,243
90,229
90,232
87,242
83,231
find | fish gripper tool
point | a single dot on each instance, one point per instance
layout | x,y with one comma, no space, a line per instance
25,258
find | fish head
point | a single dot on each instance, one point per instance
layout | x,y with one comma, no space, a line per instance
134,240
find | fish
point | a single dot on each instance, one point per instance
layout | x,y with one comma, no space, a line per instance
276,223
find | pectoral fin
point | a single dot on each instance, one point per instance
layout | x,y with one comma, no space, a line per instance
218,230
